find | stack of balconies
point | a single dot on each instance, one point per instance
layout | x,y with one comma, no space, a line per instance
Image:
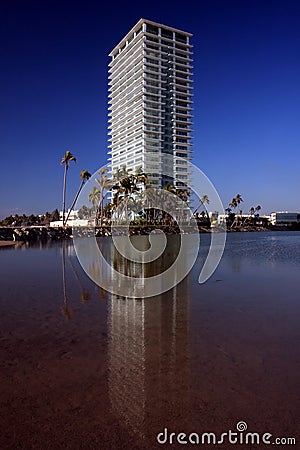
150,101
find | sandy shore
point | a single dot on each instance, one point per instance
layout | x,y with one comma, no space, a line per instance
5,243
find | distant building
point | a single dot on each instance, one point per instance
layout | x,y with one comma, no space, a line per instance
72,216
150,103
284,218
216,218
73,220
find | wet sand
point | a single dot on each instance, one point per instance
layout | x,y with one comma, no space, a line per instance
7,243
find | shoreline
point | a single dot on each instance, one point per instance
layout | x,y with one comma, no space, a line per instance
9,236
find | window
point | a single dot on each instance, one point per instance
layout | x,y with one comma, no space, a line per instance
169,44
154,47
167,33
152,39
151,69
151,29
154,84
180,47
151,105
152,76
151,98
181,38
152,121
152,144
152,61
151,135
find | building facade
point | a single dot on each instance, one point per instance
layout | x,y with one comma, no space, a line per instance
284,218
150,103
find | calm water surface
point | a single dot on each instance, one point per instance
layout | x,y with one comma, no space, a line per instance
81,368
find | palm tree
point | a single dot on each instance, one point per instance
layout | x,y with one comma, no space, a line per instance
170,188
105,184
141,177
84,175
149,198
94,197
256,210
67,158
234,204
238,199
204,199
125,184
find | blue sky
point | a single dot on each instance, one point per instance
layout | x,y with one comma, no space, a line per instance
53,95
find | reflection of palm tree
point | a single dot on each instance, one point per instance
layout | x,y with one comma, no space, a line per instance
102,293
84,175
66,310
84,294
67,158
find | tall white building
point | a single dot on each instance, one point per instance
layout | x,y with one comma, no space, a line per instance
150,103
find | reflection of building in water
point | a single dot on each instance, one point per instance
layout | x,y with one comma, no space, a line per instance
127,361
149,359
137,273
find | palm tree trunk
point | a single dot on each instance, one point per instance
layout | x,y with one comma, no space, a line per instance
200,204
75,200
64,195
101,207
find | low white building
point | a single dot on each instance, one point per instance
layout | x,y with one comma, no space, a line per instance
284,218
70,223
73,220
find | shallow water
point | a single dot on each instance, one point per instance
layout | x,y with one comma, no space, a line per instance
81,368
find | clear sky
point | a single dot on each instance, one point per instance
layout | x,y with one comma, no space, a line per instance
53,94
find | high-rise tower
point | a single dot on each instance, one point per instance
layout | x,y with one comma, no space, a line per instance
150,103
